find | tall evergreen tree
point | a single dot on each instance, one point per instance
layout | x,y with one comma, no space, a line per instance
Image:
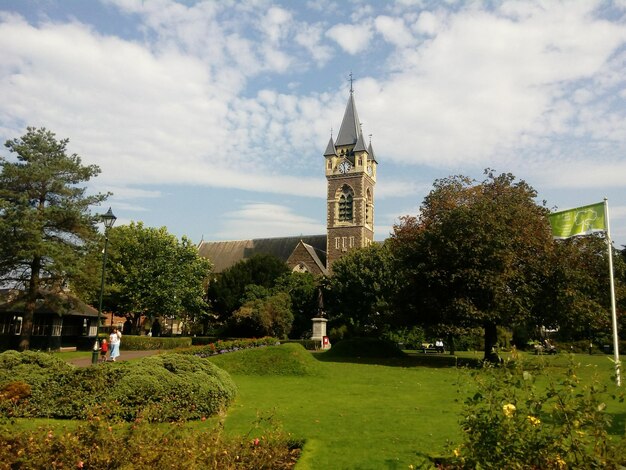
45,222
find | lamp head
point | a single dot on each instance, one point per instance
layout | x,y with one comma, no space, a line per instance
108,219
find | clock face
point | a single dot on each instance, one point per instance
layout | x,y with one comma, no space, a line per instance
344,167
370,170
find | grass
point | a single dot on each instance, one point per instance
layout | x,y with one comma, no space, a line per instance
365,412
377,414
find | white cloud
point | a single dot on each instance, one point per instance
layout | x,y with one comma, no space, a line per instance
394,30
486,84
263,220
351,38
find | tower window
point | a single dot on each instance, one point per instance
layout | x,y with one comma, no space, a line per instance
346,205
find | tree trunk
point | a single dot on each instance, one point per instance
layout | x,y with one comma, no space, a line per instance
31,304
491,342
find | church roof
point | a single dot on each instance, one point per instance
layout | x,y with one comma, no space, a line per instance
350,129
315,256
224,254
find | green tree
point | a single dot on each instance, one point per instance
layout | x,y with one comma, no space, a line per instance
477,255
226,291
45,224
151,273
303,289
576,298
359,293
266,316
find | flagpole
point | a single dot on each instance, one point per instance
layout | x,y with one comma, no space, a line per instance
618,379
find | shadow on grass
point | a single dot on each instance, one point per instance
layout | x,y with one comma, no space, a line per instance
408,360
618,424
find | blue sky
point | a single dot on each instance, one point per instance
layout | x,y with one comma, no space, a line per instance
211,118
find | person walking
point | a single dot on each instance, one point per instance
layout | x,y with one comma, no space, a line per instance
104,348
115,339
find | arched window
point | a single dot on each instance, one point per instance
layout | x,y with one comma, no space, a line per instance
369,208
346,206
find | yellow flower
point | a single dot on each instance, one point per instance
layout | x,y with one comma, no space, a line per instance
534,420
560,462
457,452
509,410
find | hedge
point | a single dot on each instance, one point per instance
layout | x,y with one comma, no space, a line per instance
165,387
153,343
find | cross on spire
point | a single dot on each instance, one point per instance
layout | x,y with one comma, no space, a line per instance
351,81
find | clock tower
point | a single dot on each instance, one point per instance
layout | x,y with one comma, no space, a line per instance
351,177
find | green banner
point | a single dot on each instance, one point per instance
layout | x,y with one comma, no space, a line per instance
579,221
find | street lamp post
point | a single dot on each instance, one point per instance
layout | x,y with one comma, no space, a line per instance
108,219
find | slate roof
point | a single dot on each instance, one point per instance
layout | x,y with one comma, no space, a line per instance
350,129
224,254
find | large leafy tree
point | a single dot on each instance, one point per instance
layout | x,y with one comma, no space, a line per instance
45,224
478,254
153,273
577,297
303,289
359,294
226,293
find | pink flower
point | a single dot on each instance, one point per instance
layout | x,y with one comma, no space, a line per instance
256,441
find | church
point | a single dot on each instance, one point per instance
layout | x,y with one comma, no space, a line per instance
350,167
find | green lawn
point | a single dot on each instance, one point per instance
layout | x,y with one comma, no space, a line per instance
366,413
370,416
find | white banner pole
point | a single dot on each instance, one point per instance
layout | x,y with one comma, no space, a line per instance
618,379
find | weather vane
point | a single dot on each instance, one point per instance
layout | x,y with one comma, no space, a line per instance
351,81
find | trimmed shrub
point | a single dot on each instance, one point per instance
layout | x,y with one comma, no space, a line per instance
308,344
286,359
172,387
222,347
365,347
154,343
166,387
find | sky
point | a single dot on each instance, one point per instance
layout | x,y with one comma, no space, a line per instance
211,117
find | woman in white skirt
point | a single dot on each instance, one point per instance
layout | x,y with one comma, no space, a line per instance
115,338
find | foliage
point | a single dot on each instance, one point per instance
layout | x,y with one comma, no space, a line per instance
45,225
226,292
286,359
576,295
476,256
151,273
223,347
303,289
409,338
100,444
511,423
364,347
359,292
268,316
151,343
160,388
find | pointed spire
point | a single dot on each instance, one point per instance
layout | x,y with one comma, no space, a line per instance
350,129
330,148
370,150
360,144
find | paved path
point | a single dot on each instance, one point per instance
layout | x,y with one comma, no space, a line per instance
124,356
